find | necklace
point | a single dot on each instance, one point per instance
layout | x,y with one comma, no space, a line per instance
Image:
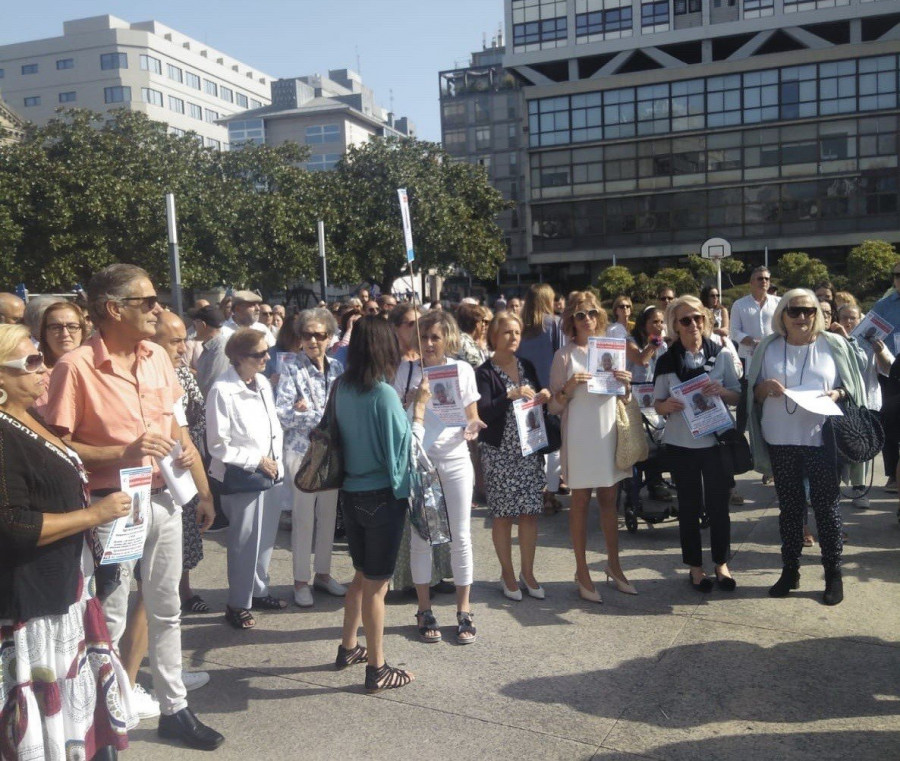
802,370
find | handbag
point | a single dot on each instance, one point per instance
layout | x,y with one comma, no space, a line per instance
631,440
553,426
737,458
427,506
857,435
322,467
240,481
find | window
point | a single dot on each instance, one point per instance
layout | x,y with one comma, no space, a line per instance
192,80
210,87
176,104
153,97
837,87
195,111
30,68
247,131
327,133
34,100
240,99
113,61
798,92
878,83
151,64
760,96
539,24
176,132
655,17
67,97
688,108
226,93
65,63
604,19
758,8
482,138
323,162
587,117
254,103
175,73
618,113
653,109
549,121
116,94
213,143
210,115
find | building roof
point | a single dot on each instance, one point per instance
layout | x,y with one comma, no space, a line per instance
315,106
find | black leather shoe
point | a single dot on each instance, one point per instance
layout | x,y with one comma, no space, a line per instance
790,579
186,727
705,584
834,586
106,753
726,583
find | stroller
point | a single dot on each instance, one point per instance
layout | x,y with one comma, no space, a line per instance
630,492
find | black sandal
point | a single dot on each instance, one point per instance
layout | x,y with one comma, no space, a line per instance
239,618
428,623
464,619
195,604
350,657
269,603
385,677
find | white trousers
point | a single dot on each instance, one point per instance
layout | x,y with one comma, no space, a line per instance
458,480
252,526
552,469
161,566
313,516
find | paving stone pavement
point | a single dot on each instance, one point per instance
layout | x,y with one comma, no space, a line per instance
669,674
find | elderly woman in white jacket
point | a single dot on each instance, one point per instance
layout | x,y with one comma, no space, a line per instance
245,443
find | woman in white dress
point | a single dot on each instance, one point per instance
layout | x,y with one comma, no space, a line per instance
588,453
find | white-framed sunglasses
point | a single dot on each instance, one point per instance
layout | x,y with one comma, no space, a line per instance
29,364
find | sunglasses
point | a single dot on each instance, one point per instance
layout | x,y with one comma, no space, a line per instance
691,318
58,328
624,306
30,364
265,314
257,354
667,298
145,302
581,316
800,311
308,336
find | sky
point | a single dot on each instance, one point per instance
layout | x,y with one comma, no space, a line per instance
401,45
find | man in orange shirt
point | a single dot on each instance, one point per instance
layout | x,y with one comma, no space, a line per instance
114,400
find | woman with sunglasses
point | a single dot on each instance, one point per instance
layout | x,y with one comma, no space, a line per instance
712,300
622,312
787,438
588,453
244,439
47,557
300,399
696,464
473,322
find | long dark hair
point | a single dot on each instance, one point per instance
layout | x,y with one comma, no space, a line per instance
373,354
639,331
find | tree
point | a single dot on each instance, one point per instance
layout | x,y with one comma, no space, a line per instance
796,269
868,266
681,280
642,290
614,281
453,210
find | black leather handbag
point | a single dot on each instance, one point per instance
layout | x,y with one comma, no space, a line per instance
240,481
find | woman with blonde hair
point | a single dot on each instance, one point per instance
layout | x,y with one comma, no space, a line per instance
588,451
622,308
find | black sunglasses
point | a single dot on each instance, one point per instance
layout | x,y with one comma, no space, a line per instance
146,302
800,311
581,316
686,321
257,354
309,336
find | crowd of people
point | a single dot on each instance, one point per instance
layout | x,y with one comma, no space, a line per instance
233,393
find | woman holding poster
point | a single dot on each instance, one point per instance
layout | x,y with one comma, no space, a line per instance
588,453
514,481
695,460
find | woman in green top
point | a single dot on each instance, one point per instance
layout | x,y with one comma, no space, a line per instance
375,436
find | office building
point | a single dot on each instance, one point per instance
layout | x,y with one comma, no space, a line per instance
12,125
103,63
655,124
481,123
327,114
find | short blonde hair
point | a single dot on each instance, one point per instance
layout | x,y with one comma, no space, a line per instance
500,318
694,303
796,293
448,326
10,338
578,301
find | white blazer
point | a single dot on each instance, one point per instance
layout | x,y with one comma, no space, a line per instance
241,425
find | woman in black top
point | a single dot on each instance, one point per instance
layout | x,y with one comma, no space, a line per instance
47,614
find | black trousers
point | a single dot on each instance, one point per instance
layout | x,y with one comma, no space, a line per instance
701,481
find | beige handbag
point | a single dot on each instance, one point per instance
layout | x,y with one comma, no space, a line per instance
631,441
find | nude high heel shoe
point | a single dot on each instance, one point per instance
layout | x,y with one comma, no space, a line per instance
623,586
587,594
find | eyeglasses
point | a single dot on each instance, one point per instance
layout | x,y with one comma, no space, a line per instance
624,306
264,314
257,354
372,310
58,328
691,318
762,278
145,302
309,336
29,364
666,298
801,311
581,315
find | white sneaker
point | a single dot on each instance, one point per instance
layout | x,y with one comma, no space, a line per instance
859,498
332,586
303,597
194,679
145,706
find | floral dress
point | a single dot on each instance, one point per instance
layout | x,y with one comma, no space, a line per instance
514,483
195,411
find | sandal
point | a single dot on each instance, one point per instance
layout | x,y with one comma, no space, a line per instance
385,677
194,604
427,624
464,619
808,540
239,618
269,603
350,657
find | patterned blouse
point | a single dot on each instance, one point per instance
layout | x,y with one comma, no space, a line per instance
301,379
194,407
471,352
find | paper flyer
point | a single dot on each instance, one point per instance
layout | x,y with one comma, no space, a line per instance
282,359
180,481
446,397
604,356
813,400
126,537
643,392
703,414
872,327
530,424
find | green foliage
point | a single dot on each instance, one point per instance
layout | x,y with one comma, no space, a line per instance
869,265
642,290
701,269
681,280
614,281
796,269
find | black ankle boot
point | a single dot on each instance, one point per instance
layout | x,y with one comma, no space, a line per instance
834,586
790,579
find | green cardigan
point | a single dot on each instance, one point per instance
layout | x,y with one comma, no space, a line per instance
852,382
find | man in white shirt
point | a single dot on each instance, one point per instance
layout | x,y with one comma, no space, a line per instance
751,315
245,314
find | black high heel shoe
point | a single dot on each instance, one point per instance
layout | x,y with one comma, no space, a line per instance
725,583
705,584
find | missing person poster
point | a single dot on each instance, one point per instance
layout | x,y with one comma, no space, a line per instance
604,356
530,424
643,392
126,537
703,414
872,327
446,397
